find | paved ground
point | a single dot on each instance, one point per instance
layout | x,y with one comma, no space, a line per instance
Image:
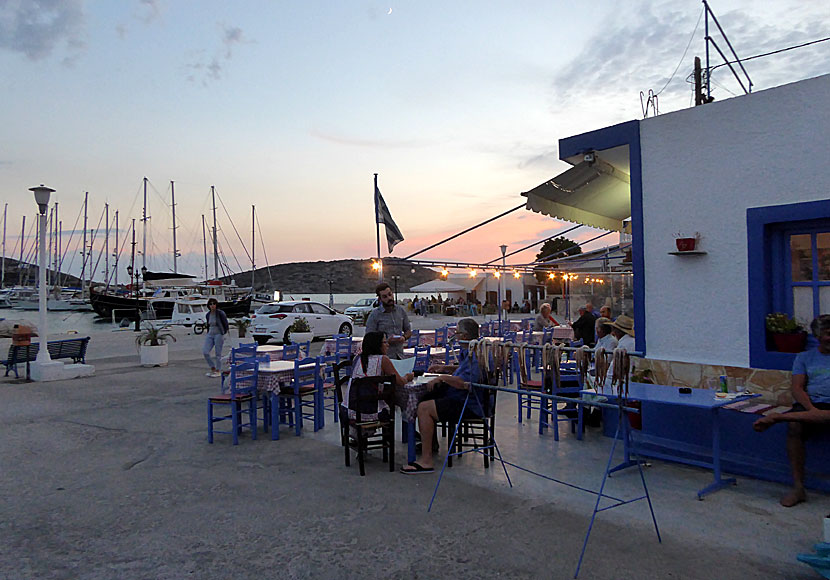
112,477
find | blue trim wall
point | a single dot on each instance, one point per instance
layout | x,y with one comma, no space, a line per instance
763,225
627,133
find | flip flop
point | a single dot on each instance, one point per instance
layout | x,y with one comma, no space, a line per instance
416,468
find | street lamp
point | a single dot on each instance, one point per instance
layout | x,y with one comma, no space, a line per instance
395,279
503,267
331,296
42,194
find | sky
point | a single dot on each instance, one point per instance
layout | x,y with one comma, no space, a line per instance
292,106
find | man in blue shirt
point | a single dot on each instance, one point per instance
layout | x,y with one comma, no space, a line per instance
446,396
811,391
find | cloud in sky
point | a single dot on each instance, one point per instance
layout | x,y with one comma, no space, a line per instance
638,50
212,69
36,28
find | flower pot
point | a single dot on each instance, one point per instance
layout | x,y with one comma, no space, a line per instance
153,356
685,244
789,342
300,336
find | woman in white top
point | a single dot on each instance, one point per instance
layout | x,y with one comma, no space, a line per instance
373,362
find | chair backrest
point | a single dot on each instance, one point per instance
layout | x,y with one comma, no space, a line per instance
526,324
291,351
441,336
342,372
342,346
509,336
306,372
365,392
421,358
243,378
412,341
243,351
527,335
547,335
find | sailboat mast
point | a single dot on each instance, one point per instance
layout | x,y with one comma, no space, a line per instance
144,232
20,259
83,252
204,245
115,253
215,243
253,245
107,243
175,250
3,267
59,258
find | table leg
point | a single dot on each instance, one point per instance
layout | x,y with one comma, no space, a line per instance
719,481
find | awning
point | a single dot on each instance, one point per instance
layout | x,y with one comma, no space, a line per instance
438,286
594,193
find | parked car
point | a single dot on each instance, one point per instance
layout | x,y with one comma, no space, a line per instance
272,320
361,309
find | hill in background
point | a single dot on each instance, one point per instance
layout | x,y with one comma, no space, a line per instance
348,276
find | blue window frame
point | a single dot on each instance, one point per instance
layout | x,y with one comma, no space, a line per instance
789,271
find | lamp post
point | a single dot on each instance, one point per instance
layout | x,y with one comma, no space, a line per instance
331,296
503,270
42,194
395,279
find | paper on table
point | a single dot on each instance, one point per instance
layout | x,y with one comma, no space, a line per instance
781,409
756,408
404,365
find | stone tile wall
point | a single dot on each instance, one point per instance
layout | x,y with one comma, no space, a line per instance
773,385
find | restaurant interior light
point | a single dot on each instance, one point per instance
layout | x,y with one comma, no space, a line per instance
551,275
497,274
472,273
445,272
516,274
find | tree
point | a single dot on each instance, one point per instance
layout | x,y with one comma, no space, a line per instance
555,248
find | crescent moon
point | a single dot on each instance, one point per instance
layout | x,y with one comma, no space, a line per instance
390,11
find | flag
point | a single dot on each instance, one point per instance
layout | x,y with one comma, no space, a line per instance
382,215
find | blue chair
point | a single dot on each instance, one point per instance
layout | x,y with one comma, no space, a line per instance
343,346
301,400
243,389
551,413
521,363
441,336
527,336
328,386
421,358
413,340
240,353
291,351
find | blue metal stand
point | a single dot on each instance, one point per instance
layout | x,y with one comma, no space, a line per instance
628,462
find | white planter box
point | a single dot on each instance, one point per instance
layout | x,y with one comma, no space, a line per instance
153,356
301,336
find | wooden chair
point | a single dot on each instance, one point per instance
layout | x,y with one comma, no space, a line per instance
243,389
366,430
473,431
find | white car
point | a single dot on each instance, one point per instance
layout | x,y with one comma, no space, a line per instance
361,309
273,320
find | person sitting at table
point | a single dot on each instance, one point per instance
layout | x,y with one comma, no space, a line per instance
584,325
605,312
446,395
811,391
544,318
605,339
373,362
623,330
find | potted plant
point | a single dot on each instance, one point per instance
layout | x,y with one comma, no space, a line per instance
242,325
686,243
299,331
788,334
152,345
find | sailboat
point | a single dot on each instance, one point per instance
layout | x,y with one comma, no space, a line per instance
160,291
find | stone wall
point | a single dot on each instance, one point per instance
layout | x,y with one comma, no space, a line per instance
772,385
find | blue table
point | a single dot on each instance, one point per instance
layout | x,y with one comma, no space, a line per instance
700,399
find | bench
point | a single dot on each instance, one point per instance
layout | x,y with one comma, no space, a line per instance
74,348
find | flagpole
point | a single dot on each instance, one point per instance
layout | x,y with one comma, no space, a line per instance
377,230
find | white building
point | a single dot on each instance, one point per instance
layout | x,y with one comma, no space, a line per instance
750,175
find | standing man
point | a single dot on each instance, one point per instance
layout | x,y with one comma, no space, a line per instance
391,319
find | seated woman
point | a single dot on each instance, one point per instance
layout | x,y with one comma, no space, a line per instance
373,362
544,319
